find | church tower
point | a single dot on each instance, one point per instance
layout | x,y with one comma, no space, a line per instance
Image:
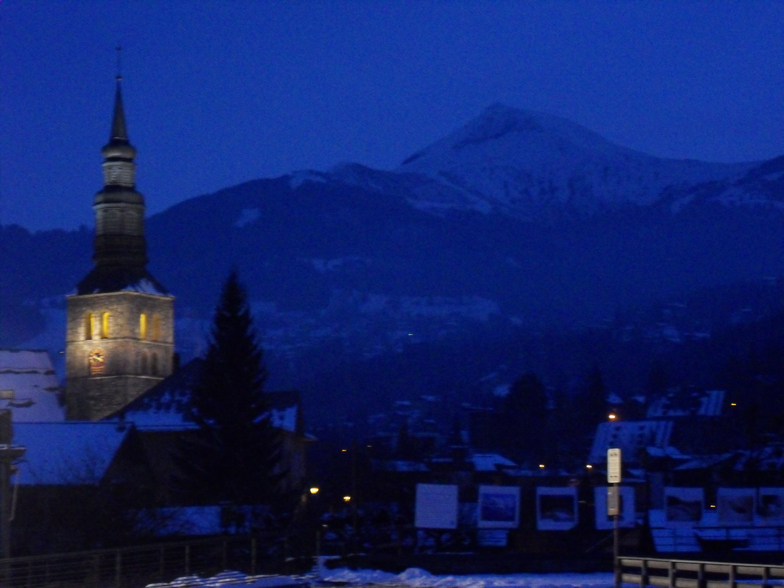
120,329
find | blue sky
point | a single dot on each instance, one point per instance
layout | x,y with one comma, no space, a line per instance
221,92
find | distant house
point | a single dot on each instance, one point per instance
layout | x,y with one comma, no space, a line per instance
29,387
62,483
677,426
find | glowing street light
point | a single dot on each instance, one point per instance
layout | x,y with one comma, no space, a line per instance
314,490
612,416
347,499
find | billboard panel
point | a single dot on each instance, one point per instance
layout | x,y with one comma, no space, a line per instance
556,508
735,506
683,506
499,507
436,506
770,507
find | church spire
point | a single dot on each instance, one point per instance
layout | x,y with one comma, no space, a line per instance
120,250
119,133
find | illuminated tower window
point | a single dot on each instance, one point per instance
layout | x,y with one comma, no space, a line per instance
88,325
105,326
142,326
156,327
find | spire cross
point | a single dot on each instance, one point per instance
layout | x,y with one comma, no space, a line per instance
119,69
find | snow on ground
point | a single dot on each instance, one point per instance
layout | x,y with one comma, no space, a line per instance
413,578
417,578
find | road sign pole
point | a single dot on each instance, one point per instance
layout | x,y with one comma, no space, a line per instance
614,508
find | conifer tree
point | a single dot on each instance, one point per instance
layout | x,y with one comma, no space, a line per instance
236,457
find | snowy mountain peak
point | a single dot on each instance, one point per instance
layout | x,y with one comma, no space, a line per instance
531,164
501,129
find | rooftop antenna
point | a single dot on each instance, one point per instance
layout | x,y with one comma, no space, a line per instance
119,64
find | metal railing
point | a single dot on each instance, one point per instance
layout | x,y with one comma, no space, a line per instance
135,566
673,573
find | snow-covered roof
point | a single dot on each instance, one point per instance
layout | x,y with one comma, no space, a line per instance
68,452
166,405
285,418
631,437
491,462
688,403
29,386
145,286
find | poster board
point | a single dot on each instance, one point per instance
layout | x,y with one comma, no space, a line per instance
436,506
627,516
735,506
499,507
770,507
556,508
683,507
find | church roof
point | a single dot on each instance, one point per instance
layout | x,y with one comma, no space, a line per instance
118,279
67,453
167,405
29,386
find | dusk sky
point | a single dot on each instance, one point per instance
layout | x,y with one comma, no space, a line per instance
218,93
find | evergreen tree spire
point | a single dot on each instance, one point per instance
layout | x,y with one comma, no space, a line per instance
238,456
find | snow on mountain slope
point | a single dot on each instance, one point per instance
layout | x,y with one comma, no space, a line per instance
531,164
762,186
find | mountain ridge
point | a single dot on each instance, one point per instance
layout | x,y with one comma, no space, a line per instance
357,263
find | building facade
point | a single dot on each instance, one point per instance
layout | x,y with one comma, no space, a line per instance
120,321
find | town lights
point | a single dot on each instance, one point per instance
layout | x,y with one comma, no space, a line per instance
612,416
347,499
314,490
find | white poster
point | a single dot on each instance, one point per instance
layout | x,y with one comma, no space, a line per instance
436,506
735,506
683,506
499,507
626,496
770,507
556,508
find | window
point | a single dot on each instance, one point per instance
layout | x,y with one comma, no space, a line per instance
156,327
105,326
154,364
89,323
142,326
143,364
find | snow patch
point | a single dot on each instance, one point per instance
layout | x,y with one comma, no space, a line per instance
300,177
144,286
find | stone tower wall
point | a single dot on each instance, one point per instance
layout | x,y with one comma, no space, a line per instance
107,370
